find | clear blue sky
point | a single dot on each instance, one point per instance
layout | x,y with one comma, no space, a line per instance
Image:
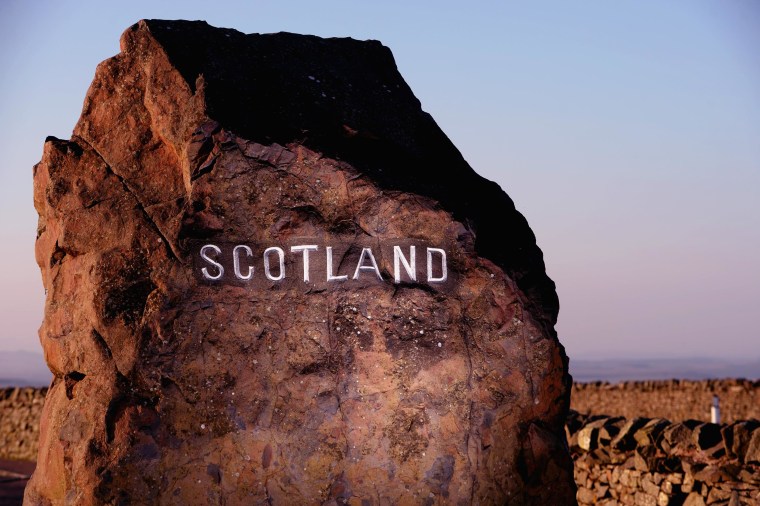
627,132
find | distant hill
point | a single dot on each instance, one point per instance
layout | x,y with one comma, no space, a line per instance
23,369
615,370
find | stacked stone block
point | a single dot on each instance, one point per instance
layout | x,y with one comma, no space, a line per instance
655,462
20,410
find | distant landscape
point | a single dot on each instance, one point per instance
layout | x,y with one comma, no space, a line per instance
697,368
25,368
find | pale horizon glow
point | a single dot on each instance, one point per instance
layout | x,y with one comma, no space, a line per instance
627,133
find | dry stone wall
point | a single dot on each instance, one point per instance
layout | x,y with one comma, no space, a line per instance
20,410
672,399
652,461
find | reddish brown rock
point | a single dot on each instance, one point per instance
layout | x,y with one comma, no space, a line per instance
173,390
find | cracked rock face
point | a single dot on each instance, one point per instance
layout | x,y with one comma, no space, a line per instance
175,385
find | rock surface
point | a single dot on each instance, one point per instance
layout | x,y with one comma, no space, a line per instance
171,390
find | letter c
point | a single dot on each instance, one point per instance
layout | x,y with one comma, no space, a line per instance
236,262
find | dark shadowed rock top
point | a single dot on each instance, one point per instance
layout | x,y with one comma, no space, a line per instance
197,358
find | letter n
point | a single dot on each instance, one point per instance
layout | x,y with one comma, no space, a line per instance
409,265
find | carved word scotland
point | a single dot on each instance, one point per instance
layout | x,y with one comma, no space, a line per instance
314,263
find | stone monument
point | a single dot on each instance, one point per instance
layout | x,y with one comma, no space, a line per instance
272,279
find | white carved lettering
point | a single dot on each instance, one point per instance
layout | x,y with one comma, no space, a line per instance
367,253
267,268
219,267
330,276
444,274
236,262
409,266
305,248
242,263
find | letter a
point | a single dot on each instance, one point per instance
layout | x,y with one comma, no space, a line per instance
367,252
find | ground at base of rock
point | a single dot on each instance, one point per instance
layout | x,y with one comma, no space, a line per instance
13,477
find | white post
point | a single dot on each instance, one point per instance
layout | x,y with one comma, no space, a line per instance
715,410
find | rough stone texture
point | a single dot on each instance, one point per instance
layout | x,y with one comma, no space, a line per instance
672,399
20,410
172,391
661,463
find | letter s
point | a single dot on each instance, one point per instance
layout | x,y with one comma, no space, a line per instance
219,267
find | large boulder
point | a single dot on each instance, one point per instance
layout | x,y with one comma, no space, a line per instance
234,310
